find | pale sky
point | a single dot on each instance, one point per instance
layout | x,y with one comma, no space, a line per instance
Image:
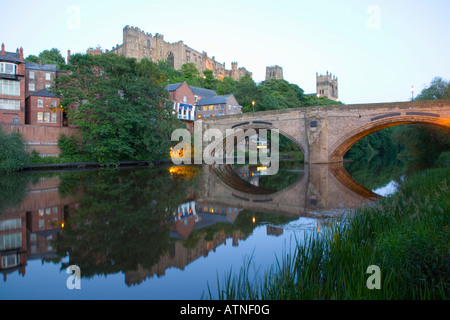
378,49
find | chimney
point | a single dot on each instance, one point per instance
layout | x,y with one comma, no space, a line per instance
3,49
40,61
68,56
21,54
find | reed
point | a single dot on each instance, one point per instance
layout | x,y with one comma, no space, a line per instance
406,235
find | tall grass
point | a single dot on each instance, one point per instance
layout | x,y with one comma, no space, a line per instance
407,235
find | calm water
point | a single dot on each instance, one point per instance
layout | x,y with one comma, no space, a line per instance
165,233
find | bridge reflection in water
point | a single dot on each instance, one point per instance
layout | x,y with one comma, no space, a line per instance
319,187
220,204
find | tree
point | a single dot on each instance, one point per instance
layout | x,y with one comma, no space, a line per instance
13,156
120,106
438,89
52,56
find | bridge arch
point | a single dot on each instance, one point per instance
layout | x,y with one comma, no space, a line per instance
340,148
259,125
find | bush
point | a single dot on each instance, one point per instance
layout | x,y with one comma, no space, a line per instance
68,146
13,156
443,161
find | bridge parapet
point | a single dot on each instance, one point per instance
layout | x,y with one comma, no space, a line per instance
325,133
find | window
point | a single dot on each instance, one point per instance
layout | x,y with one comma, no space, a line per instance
47,85
229,107
31,86
6,104
48,76
10,224
10,241
10,88
211,107
40,103
184,99
222,106
47,117
234,108
31,74
40,118
196,98
199,108
53,103
205,108
8,68
54,115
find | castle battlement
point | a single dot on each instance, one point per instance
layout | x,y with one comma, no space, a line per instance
140,44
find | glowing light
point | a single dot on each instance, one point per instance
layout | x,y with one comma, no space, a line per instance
254,220
261,168
62,224
261,147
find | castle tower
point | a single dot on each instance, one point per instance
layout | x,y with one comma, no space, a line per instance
327,85
274,72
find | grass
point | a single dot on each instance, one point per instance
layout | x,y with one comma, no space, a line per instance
406,235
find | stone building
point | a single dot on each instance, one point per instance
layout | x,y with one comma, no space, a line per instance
12,86
274,72
139,44
327,85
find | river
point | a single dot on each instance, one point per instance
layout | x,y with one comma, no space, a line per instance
168,232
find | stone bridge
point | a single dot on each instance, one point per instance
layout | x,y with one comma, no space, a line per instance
319,187
324,134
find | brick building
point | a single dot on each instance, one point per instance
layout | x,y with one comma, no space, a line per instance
12,87
42,108
39,76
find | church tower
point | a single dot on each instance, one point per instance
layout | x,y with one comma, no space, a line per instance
274,72
327,85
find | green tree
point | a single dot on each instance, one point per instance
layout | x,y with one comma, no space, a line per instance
13,156
438,89
52,56
120,106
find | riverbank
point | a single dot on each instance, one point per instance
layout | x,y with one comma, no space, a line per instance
407,236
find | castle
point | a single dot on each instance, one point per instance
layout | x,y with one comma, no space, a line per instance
139,44
274,72
327,85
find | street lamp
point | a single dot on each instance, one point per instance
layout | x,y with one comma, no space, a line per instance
253,106
412,93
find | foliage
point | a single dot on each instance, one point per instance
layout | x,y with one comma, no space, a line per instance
13,156
123,218
406,235
120,106
438,89
269,95
52,56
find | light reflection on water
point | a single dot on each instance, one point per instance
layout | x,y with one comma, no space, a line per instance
160,233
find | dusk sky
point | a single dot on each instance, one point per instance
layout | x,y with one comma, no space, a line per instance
378,49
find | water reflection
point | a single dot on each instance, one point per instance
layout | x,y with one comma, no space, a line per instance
143,222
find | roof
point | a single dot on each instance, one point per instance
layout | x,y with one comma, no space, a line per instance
44,93
203,92
214,100
10,57
173,86
195,90
41,67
